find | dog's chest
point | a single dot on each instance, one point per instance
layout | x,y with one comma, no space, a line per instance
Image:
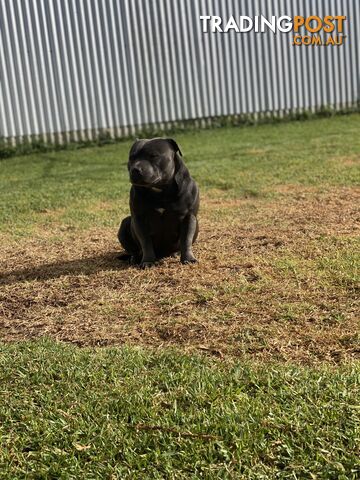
164,214
166,210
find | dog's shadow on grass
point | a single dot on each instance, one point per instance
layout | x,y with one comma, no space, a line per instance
82,266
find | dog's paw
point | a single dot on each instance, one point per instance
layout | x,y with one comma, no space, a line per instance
135,260
144,265
188,259
124,257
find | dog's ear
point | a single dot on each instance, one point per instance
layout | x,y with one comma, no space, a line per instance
137,146
181,171
174,145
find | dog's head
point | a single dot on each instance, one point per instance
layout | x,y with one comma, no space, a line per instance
154,162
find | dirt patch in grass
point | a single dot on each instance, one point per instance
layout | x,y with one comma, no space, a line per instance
276,281
347,160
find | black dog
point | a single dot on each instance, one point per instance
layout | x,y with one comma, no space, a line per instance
164,202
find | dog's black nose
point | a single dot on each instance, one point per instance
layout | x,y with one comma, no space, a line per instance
135,174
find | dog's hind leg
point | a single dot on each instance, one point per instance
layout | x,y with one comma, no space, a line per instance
131,247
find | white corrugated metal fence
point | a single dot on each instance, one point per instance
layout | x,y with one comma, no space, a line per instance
72,69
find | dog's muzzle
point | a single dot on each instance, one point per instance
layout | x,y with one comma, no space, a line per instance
136,175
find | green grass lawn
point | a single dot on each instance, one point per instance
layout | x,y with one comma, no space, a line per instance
243,366
126,413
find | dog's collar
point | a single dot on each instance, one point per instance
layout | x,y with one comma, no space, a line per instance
157,190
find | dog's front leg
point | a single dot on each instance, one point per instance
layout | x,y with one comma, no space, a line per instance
187,232
144,238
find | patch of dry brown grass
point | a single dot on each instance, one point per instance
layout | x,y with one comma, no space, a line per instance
261,288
